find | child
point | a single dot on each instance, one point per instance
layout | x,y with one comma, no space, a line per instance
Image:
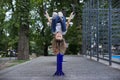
59,28
58,22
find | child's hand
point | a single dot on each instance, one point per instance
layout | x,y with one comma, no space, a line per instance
72,15
46,14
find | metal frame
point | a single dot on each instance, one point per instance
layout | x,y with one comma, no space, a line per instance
101,29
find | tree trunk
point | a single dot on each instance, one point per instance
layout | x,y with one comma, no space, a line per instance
23,45
23,15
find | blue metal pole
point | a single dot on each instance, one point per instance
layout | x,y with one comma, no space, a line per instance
90,28
59,71
97,30
110,32
84,29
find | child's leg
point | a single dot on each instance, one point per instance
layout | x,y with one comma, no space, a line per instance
53,25
63,24
54,22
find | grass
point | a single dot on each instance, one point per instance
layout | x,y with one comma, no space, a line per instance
11,63
19,61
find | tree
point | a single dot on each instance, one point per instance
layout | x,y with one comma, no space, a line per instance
22,29
22,7
4,7
57,5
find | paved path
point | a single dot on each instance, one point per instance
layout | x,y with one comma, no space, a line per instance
75,68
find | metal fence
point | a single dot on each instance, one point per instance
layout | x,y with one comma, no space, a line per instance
101,30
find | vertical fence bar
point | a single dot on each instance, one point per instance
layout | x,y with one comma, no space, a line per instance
90,12
109,31
84,32
97,30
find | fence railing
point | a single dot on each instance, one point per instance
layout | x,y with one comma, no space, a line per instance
101,29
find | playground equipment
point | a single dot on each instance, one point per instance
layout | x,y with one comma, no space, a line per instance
101,20
59,71
60,55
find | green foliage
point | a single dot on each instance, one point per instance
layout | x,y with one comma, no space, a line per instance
73,38
32,13
3,54
73,49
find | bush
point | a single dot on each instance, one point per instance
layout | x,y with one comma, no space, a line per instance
3,54
73,49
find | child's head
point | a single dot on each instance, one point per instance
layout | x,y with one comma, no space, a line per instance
58,36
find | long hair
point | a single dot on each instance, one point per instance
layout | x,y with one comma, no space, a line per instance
58,46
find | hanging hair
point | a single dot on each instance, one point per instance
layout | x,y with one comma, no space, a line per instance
59,46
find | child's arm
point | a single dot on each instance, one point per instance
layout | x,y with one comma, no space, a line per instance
70,17
48,17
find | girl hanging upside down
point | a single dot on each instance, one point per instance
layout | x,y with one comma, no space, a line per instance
59,28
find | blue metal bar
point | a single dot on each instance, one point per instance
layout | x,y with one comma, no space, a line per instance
59,71
101,9
97,30
84,34
90,28
109,32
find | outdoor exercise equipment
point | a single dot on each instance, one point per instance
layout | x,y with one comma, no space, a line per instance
60,55
59,71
